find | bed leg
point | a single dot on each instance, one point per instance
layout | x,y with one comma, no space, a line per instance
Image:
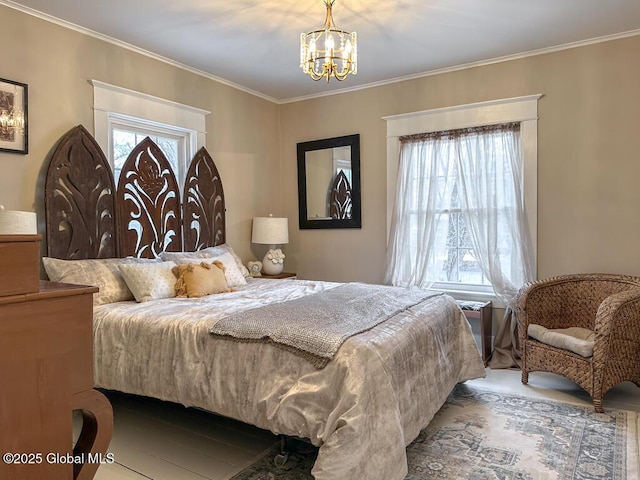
281,458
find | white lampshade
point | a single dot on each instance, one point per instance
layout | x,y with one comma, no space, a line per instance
270,230
17,223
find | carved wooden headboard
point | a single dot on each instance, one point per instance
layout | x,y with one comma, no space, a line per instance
340,198
87,217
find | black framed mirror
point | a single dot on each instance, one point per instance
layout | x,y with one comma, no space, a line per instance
329,183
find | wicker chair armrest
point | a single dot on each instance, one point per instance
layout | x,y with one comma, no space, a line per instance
619,314
617,341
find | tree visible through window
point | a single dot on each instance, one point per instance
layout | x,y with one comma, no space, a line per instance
460,263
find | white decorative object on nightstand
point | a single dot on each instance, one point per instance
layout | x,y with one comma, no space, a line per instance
255,268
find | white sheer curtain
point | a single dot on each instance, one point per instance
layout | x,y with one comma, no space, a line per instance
477,170
424,194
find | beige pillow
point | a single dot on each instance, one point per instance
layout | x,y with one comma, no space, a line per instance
234,276
150,281
101,272
199,280
575,339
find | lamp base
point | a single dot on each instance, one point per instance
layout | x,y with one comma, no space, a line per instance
268,266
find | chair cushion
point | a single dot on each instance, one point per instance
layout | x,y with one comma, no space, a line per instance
575,339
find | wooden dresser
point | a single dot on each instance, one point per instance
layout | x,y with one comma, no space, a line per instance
46,372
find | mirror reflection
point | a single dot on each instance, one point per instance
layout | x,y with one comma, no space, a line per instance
329,183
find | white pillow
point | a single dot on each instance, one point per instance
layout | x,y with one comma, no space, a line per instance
231,272
101,272
226,248
150,281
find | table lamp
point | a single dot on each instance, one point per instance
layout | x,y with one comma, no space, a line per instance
17,223
271,231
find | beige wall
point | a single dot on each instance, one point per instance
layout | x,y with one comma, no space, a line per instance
57,64
588,158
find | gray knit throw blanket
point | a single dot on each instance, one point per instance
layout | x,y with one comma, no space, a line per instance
315,326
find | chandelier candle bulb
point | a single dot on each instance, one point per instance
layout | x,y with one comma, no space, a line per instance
329,44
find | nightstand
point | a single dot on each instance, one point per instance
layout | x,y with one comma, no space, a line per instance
480,311
281,276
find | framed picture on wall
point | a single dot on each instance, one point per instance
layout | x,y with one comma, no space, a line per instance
14,132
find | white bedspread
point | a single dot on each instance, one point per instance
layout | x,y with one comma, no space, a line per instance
362,409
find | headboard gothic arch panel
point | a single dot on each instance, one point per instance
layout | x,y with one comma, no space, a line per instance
204,209
340,203
87,217
79,197
148,201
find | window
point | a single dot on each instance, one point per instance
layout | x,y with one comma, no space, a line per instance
453,220
127,132
123,118
455,264
342,161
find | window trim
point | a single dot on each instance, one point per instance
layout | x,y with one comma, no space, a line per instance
117,105
517,109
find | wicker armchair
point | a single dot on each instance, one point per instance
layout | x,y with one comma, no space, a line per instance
607,304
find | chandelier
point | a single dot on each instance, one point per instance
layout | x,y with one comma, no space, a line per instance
329,52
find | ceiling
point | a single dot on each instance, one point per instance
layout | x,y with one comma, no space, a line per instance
254,44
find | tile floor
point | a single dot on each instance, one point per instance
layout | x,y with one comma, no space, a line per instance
163,441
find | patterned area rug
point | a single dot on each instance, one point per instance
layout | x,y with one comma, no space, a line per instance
479,434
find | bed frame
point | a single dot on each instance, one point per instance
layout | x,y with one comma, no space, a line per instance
88,217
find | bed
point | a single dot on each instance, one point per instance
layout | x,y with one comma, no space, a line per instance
361,408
